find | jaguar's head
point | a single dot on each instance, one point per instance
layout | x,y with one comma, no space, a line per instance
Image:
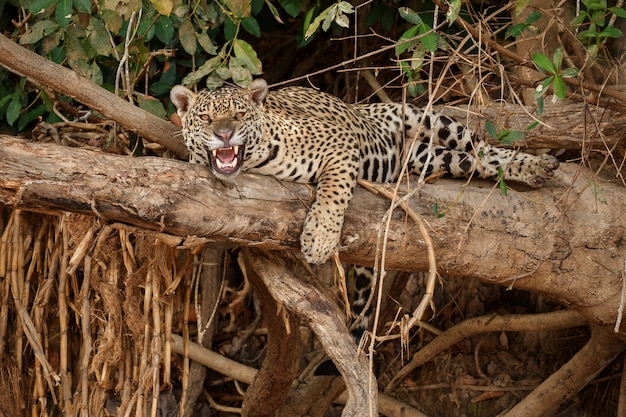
217,125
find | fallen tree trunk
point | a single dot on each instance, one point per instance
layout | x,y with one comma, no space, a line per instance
565,241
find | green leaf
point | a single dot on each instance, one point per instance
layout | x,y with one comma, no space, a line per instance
13,110
491,128
315,24
592,54
94,73
240,75
256,6
543,63
274,11
610,32
430,40
30,116
520,6
213,81
330,17
436,211
342,20
533,17
579,19
410,16
540,103
230,29
151,105
509,137
163,7
204,70
543,87
98,37
187,37
403,44
292,7
587,34
38,31
595,5
164,29
618,11
38,6
4,100
570,72
501,183
345,7
57,54
247,55
558,85
503,189
532,126
417,59
205,42
76,55
453,11
63,12
223,72
415,89
515,30
112,21
557,59
240,8
83,6
251,26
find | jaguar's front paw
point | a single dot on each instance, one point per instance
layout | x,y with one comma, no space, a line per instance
317,245
542,170
320,235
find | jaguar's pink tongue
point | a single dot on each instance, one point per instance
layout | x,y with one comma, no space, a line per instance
226,155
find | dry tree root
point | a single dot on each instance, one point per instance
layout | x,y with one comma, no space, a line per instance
280,367
312,306
601,349
511,323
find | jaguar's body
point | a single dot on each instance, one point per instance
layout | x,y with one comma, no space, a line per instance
303,135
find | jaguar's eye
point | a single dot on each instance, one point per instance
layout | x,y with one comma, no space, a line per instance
205,117
239,115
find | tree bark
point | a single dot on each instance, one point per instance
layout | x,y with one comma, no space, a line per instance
565,241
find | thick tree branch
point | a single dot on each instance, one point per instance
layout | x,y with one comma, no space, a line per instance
565,241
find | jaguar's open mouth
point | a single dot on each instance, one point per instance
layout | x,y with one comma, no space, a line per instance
227,161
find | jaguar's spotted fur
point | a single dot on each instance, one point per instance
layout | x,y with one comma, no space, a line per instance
303,135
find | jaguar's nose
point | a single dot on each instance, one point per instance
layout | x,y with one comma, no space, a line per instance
224,134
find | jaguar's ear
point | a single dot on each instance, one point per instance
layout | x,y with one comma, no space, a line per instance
258,91
182,98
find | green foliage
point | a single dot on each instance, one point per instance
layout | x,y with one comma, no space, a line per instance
101,40
519,28
552,68
418,39
437,212
337,13
593,25
501,184
504,136
130,45
596,17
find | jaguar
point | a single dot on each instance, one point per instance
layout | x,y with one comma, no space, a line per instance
304,135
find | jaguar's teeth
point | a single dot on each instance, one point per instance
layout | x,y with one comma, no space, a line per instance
221,165
236,150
